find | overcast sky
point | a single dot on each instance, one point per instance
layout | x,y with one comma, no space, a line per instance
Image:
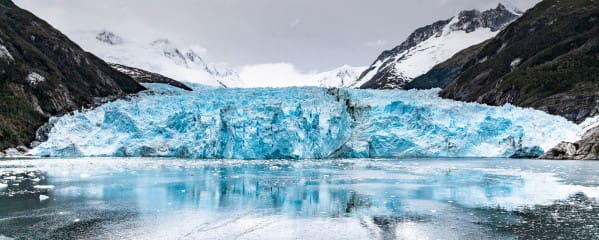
314,35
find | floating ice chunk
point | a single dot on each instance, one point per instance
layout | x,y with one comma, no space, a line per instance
10,178
44,187
3,186
43,198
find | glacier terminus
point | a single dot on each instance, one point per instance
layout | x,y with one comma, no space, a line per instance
301,123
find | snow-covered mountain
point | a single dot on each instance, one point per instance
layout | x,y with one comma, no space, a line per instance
433,44
344,76
160,55
185,64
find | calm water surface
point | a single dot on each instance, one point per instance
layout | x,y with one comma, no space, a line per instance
118,198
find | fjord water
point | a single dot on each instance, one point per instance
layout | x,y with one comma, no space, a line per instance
124,198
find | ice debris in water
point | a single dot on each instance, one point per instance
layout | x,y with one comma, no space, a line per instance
43,198
22,182
302,123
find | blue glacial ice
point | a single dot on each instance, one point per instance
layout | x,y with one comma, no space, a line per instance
301,123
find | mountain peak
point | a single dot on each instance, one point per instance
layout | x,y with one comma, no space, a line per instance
494,19
109,38
160,55
509,6
161,42
434,43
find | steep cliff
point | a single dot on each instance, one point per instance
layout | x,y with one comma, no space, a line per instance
548,59
43,73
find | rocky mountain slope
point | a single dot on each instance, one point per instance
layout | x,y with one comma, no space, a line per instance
433,44
43,73
548,59
143,76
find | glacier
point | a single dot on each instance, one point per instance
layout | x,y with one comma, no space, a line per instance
301,123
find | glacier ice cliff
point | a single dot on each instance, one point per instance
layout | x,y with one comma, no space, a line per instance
308,122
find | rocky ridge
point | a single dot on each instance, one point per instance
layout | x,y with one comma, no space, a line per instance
43,74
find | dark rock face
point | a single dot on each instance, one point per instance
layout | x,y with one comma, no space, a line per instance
43,73
468,21
585,149
494,19
548,60
143,76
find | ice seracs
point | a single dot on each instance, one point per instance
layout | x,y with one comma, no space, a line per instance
433,44
302,123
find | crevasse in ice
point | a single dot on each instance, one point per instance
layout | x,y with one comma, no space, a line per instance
302,123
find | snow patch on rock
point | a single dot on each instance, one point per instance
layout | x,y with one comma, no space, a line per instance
5,54
35,78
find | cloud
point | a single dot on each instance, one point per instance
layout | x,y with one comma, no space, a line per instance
294,23
275,75
198,49
377,43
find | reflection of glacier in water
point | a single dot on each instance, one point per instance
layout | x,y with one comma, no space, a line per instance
303,123
332,199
